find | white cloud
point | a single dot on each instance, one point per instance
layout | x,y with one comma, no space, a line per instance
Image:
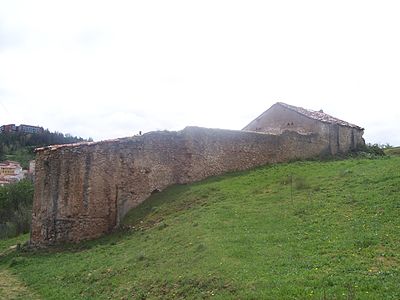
102,69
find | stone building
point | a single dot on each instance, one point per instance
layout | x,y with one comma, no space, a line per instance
340,135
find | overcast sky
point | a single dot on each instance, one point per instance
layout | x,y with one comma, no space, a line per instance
107,69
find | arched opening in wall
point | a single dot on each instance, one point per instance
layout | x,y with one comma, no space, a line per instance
155,191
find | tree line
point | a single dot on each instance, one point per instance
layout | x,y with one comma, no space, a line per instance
15,208
20,146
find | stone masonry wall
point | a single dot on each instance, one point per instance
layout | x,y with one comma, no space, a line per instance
82,191
278,119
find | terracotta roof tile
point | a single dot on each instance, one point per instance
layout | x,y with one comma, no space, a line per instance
319,115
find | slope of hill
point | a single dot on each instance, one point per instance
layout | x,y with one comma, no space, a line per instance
393,151
304,230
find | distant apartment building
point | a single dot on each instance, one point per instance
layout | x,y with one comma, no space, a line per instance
21,128
29,129
8,128
10,171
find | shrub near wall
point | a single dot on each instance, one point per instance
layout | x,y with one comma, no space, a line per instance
15,208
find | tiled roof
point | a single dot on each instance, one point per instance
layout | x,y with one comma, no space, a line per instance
318,115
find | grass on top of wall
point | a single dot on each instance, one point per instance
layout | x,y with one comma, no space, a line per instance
304,230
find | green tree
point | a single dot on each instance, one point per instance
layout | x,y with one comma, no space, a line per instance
2,155
15,208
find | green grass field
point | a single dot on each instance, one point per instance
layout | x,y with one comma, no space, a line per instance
394,151
304,230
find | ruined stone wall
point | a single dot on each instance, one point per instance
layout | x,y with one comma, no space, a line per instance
82,191
350,139
343,139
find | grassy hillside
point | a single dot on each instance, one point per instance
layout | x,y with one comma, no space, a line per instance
23,156
394,151
305,230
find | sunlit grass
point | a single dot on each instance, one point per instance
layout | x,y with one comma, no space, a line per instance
318,230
